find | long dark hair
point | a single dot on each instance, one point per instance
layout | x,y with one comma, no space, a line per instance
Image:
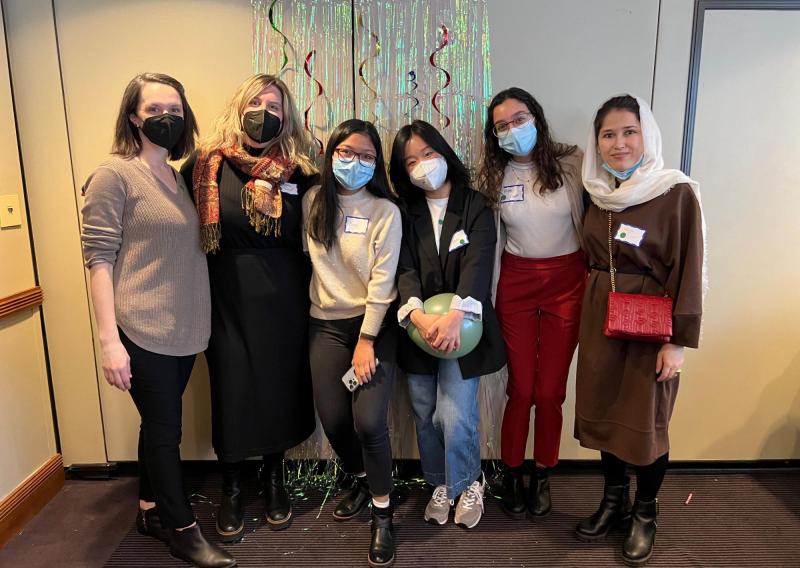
324,210
127,142
622,102
545,154
457,173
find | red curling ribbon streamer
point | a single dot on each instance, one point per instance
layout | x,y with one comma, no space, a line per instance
270,16
320,91
374,55
434,100
412,78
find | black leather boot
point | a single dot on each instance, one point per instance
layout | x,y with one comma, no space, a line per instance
538,501
614,512
352,503
381,549
190,545
148,523
230,516
513,498
277,506
638,545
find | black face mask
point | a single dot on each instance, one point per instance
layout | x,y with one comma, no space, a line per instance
261,125
163,130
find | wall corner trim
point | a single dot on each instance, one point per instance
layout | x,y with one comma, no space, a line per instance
29,497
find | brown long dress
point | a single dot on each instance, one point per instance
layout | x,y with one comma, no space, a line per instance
620,408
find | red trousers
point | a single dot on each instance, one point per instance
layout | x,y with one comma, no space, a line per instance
538,305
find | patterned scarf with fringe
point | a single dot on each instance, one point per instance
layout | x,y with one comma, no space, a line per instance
261,196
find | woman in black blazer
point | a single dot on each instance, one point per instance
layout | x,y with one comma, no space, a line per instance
448,246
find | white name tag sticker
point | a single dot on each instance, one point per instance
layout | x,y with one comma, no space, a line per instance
512,193
289,188
459,240
630,234
356,225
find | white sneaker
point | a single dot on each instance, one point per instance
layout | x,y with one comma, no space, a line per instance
470,506
438,508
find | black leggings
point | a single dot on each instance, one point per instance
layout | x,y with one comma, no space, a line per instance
648,477
355,424
157,385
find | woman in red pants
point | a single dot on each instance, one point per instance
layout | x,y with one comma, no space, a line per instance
535,184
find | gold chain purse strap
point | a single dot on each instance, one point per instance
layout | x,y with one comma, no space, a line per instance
611,268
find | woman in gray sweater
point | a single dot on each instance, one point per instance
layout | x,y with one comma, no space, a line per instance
149,286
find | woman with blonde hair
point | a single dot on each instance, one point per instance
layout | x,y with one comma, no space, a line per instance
249,177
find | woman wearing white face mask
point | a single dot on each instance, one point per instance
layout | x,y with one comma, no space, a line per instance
249,178
448,247
644,235
353,238
534,184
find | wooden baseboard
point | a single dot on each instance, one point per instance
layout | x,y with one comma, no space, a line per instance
30,496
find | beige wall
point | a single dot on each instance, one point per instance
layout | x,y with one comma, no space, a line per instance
45,148
27,439
571,54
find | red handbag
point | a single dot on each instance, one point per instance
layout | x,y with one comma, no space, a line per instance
636,317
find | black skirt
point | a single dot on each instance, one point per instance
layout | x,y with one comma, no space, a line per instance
261,395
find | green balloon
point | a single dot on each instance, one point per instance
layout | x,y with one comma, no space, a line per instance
471,330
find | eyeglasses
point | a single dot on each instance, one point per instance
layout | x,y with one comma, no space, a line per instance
347,155
502,127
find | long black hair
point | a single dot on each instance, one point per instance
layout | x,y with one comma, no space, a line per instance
457,173
324,210
545,153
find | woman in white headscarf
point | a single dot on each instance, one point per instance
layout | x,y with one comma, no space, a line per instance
649,220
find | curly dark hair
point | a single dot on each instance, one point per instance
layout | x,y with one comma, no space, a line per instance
545,154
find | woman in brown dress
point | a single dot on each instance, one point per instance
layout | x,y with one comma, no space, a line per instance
651,219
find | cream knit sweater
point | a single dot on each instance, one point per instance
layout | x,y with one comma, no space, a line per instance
357,276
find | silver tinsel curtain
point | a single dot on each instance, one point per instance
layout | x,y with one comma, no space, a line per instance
389,62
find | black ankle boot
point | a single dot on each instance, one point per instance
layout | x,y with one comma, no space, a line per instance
538,501
230,516
638,546
352,503
190,545
614,512
277,506
381,549
148,523
513,500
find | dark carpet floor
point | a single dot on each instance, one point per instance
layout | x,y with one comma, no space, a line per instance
733,519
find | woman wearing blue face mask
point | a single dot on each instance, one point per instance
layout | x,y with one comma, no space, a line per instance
353,238
448,247
534,184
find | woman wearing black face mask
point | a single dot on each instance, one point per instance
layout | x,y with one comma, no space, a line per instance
249,178
150,293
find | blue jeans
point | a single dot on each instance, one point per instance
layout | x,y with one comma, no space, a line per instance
446,415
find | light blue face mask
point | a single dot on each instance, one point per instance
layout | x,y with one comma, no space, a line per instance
352,175
519,141
622,176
